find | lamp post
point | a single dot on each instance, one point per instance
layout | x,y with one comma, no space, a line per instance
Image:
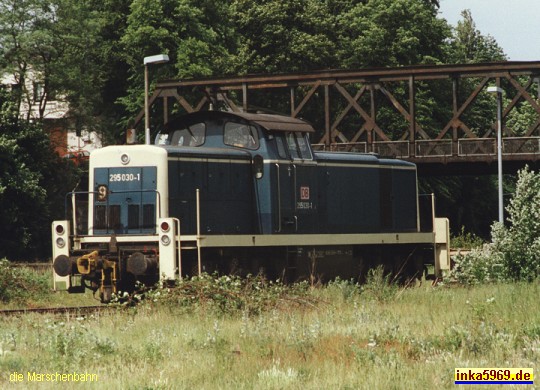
157,59
499,91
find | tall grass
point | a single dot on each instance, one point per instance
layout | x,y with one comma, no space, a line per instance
27,287
20,285
345,336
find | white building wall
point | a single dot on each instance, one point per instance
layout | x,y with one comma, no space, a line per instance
88,141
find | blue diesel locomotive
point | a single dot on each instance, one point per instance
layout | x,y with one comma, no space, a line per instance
241,193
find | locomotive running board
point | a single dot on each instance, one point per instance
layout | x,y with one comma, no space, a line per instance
248,240
439,239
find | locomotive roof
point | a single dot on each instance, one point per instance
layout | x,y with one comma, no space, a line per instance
278,122
269,122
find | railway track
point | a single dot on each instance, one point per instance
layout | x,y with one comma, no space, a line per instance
35,266
80,310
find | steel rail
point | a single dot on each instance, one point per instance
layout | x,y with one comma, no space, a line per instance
81,310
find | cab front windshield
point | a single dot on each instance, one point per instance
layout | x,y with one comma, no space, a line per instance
191,135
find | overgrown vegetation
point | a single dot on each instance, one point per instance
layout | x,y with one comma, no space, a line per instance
342,336
223,295
21,285
514,253
251,295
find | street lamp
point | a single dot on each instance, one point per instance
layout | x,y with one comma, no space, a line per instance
499,91
157,59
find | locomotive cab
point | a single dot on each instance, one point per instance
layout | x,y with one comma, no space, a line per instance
254,171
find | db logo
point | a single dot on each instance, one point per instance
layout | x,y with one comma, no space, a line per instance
304,193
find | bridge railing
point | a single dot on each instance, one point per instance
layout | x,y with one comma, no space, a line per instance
397,149
434,148
521,145
488,146
477,147
466,147
358,147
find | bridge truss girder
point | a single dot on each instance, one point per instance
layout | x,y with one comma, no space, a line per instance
362,93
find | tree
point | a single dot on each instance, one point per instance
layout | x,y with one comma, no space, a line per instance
26,47
469,45
76,72
391,33
54,44
33,182
277,36
196,35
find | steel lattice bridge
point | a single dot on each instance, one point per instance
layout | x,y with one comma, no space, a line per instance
350,107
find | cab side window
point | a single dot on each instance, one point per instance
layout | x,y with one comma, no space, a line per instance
281,148
240,135
304,149
291,144
298,145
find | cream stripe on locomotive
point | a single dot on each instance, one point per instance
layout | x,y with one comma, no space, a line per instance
214,160
298,162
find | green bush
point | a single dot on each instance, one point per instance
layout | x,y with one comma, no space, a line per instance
514,253
20,285
465,240
481,265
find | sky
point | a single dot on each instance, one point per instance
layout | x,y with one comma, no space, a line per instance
515,24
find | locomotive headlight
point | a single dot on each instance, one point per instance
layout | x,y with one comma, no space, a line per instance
60,242
124,158
165,240
165,226
59,229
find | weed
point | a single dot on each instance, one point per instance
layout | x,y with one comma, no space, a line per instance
466,240
378,285
277,377
348,288
105,346
228,295
532,331
153,348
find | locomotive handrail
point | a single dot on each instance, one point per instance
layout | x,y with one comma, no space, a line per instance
294,186
295,200
198,207
73,211
279,198
71,194
176,230
431,197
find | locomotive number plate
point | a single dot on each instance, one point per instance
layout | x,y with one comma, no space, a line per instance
124,177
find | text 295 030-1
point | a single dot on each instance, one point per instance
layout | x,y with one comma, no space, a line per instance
124,177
